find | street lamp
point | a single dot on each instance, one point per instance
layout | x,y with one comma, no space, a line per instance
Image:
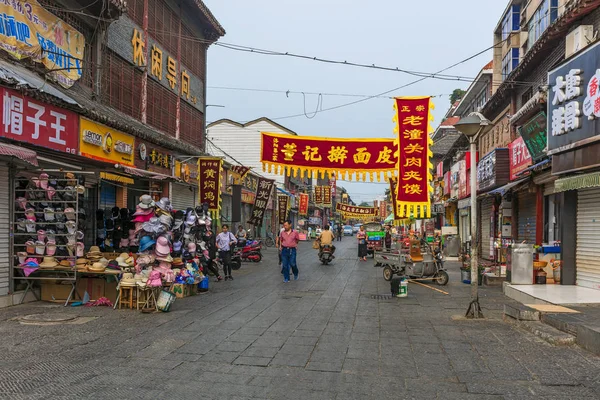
472,126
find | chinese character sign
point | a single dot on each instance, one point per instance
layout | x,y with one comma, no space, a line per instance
263,193
282,208
240,170
318,155
27,30
573,101
383,209
348,209
414,166
303,206
519,158
209,175
327,196
319,194
28,120
333,185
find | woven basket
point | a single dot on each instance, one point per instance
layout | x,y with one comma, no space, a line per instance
540,264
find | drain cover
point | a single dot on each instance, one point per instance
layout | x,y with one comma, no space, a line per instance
47,318
381,296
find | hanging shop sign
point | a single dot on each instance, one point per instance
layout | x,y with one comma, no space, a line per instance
186,171
27,120
519,158
303,204
102,143
250,183
493,170
317,155
462,179
347,209
439,170
383,208
438,208
153,158
282,208
327,196
414,169
248,197
393,188
447,183
209,176
534,135
454,180
318,194
345,198
575,101
333,185
263,194
240,170
468,169
27,30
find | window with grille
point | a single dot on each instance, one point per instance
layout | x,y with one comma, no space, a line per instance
162,107
121,83
135,11
191,126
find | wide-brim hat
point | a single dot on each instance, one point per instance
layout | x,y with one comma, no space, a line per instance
81,261
146,201
65,263
164,204
142,217
146,244
94,249
166,258
121,262
177,261
96,267
48,262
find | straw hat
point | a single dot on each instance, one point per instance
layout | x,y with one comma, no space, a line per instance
127,279
65,263
94,249
48,262
81,261
96,267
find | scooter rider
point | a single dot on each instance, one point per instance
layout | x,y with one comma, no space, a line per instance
326,238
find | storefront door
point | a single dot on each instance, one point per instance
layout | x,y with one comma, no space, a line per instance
5,218
527,217
588,238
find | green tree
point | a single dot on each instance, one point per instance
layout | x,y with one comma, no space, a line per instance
365,204
457,94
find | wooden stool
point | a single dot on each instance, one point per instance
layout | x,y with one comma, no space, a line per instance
145,297
126,296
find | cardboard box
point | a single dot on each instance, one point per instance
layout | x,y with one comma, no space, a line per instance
97,287
55,291
180,290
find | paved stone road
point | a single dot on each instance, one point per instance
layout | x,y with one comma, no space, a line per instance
322,337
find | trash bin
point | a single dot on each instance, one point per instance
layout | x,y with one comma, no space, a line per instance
452,244
521,259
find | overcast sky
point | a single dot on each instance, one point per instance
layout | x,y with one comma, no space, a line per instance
425,35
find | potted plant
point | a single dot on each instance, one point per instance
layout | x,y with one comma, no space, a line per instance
465,274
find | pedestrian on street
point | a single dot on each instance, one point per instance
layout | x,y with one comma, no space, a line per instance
388,238
209,239
340,232
362,244
277,240
224,241
241,233
288,243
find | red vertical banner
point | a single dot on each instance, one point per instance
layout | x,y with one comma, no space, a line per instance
303,206
327,196
318,194
209,176
414,165
332,183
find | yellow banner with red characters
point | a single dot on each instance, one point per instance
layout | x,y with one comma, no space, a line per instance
414,167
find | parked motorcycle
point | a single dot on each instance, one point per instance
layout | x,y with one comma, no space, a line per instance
326,254
236,259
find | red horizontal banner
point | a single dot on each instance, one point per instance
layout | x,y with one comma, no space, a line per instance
355,210
317,155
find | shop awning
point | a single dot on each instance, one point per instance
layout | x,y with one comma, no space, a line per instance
577,182
464,203
21,153
503,189
147,174
116,178
285,192
536,167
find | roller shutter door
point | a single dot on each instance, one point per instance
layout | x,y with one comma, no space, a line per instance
485,247
182,197
5,218
588,238
527,218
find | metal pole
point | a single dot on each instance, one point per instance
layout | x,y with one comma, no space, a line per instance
474,310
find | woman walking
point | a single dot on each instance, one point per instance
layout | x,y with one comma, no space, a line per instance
362,244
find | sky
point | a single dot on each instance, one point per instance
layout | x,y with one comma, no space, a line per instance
425,35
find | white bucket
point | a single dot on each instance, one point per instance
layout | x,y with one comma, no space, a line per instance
165,299
403,288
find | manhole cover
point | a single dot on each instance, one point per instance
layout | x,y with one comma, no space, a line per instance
381,296
45,318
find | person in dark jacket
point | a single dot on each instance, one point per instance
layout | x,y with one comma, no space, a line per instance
388,237
211,246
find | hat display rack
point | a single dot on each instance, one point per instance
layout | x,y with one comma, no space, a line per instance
115,231
48,229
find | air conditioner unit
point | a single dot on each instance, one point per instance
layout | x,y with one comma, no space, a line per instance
578,39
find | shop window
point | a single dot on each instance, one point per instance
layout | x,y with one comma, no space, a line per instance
191,128
121,84
510,62
551,219
162,107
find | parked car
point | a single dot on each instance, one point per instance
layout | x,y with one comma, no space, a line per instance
356,228
348,231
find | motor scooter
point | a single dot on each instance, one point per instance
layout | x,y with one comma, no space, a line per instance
251,252
326,254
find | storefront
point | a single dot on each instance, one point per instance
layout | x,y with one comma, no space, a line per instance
492,173
574,144
184,193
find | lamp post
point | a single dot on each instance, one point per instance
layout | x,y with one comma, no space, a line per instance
472,126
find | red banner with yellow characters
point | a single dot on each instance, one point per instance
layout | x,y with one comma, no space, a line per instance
414,167
318,194
209,175
351,158
347,209
303,204
327,196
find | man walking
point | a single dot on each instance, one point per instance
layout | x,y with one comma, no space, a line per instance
288,243
224,241
339,232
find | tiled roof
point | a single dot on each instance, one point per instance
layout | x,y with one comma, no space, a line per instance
489,65
450,121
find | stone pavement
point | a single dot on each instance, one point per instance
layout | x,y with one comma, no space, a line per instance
325,336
